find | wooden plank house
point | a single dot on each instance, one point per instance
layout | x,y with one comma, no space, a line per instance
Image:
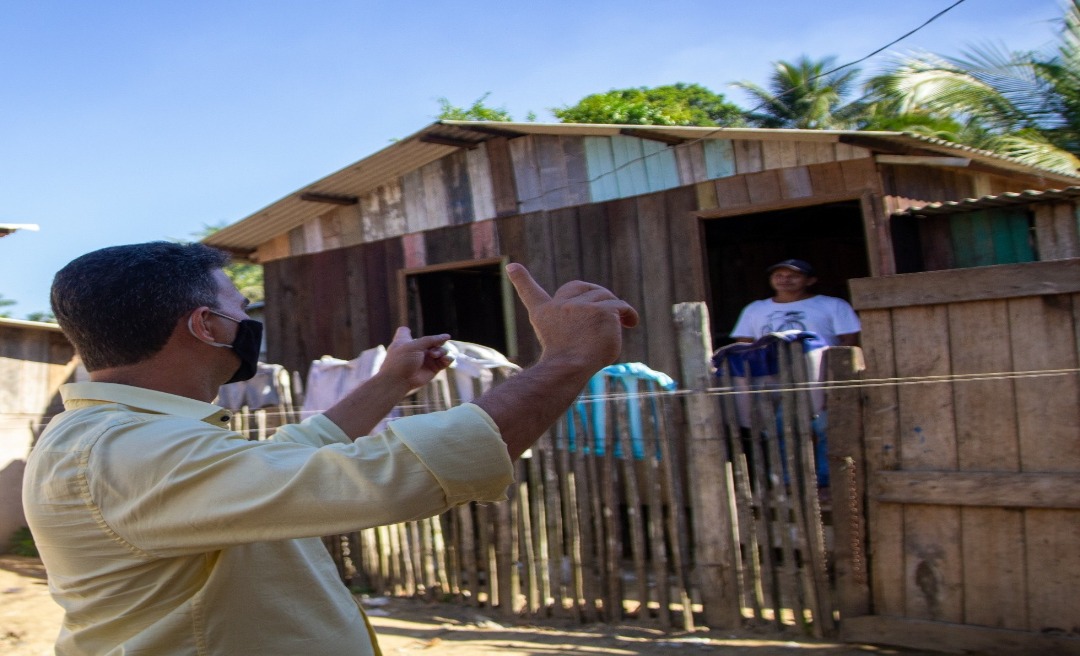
416,233
957,461
35,359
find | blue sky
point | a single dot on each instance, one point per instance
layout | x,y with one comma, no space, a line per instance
123,122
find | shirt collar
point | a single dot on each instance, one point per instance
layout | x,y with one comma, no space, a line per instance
78,395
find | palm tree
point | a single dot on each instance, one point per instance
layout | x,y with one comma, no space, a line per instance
805,94
1022,104
883,110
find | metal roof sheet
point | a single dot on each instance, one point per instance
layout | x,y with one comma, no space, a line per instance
987,202
26,323
431,143
8,228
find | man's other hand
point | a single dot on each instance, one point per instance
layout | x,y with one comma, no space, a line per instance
415,361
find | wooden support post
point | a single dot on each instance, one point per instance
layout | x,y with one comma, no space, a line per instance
847,463
714,544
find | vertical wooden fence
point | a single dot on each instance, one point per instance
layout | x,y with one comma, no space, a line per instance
757,503
665,514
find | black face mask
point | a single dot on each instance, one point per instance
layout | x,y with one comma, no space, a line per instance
246,345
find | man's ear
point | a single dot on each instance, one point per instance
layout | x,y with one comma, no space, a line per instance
196,324
811,280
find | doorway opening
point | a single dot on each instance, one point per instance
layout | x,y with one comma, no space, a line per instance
468,301
740,248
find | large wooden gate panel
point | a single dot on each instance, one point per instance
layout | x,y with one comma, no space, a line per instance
885,525
971,416
1044,340
986,441
932,563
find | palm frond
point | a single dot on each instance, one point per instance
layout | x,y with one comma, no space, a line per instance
1034,149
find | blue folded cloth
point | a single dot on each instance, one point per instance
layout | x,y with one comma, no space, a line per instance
761,357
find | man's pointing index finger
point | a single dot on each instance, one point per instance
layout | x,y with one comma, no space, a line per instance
530,291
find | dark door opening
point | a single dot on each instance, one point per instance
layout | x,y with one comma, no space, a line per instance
740,248
467,302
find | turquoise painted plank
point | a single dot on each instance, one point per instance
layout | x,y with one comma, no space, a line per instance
660,166
1004,248
963,243
719,158
982,233
991,237
629,166
600,169
1020,230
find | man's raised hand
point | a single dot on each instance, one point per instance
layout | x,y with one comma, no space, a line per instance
581,324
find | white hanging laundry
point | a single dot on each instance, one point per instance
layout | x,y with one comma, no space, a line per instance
473,362
268,388
330,379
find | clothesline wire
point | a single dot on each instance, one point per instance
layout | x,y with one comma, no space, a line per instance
827,385
586,399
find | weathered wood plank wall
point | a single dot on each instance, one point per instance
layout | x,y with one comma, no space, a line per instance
986,361
1057,230
503,177
343,301
34,361
647,248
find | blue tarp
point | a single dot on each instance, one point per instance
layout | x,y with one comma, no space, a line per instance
590,410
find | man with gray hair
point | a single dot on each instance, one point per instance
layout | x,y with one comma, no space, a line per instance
164,532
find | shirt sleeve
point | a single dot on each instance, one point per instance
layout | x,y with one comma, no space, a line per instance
846,321
744,327
315,431
170,487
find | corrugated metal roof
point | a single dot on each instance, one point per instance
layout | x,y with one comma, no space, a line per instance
8,228
444,137
35,325
986,202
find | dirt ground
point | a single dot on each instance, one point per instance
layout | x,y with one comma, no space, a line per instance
29,621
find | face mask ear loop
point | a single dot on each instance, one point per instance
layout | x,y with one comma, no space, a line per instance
191,329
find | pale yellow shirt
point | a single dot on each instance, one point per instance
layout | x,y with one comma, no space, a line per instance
164,532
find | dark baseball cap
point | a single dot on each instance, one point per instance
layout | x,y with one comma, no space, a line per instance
802,266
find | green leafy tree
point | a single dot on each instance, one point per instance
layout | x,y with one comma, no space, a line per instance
247,276
478,111
806,94
1022,104
45,317
671,104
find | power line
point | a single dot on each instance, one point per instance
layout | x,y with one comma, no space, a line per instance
709,135
894,41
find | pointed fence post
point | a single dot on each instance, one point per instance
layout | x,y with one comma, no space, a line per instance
711,488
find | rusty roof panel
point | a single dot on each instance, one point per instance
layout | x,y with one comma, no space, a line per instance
413,152
987,202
